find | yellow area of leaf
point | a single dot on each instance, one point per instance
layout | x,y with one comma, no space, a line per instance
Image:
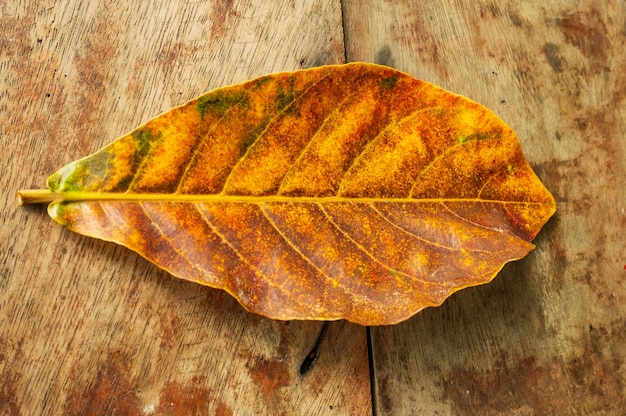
341,192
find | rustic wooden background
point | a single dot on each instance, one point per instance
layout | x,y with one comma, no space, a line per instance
87,327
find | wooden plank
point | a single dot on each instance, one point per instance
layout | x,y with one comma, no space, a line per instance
548,336
91,328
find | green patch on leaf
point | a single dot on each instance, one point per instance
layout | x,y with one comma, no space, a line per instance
259,82
82,175
389,82
143,141
492,135
285,95
218,103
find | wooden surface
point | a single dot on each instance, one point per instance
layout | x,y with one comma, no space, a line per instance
87,327
92,328
548,336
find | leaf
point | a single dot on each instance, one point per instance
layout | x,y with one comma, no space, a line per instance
341,192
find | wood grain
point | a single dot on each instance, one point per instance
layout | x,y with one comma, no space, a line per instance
90,328
548,336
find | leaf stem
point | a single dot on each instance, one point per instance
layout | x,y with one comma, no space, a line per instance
37,196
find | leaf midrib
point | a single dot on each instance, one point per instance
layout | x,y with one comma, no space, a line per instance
251,199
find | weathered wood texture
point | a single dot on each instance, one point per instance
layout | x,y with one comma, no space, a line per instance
548,336
87,327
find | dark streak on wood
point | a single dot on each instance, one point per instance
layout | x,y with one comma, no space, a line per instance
310,358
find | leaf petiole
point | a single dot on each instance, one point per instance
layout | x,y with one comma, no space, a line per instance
37,196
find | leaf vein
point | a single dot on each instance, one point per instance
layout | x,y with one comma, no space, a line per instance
143,161
367,253
106,212
261,134
165,237
197,149
107,173
253,199
500,230
374,139
452,149
311,140
433,243
489,179
293,246
237,253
